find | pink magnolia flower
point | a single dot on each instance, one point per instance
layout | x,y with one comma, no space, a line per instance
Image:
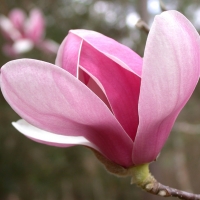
23,33
102,95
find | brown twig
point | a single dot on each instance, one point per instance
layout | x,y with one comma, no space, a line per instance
146,181
166,191
162,6
142,26
142,177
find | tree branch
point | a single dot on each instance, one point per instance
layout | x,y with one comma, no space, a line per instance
162,6
151,185
142,26
142,177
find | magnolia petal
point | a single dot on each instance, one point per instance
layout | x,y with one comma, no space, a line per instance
19,47
48,46
170,74
22,46
17,17
104,60
119,53
68,54
94,87
120,85
49,138
35,26
53,100
8,30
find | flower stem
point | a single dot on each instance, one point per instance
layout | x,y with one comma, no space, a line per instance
143,178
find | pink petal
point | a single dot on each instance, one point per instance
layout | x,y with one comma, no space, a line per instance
22,46
116,51
19,47
114,68
17,17
35,26
8,30
68,54
170,74
48,46
120,85
53,100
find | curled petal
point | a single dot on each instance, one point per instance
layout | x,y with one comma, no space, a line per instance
53,100
49,138
170,73
68,54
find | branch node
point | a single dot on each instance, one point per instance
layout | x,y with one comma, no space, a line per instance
162,193
149,187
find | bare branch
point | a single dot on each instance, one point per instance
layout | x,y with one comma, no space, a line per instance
166,191
142,26
142,177
162,6
146,181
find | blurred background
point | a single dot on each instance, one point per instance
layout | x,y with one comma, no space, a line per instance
32,171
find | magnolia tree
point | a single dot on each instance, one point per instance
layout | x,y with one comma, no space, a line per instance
22,33
102,95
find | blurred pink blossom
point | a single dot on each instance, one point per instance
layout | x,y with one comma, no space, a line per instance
23,33
103,95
